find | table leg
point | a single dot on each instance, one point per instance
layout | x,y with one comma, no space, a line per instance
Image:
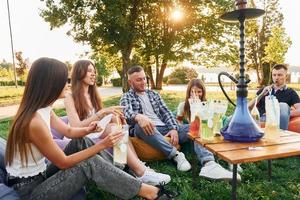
234,182
270,170
194,162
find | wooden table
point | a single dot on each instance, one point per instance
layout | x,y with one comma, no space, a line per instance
236,153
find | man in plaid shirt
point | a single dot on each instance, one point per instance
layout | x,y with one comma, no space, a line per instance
151,120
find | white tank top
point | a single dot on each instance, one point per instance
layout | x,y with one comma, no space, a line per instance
33,168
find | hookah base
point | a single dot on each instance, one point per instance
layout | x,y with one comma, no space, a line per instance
241,137
233,138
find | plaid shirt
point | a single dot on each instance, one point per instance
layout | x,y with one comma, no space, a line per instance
133,107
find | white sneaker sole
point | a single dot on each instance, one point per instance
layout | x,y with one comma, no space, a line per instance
155,183
220,179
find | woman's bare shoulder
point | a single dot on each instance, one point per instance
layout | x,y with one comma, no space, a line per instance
37,124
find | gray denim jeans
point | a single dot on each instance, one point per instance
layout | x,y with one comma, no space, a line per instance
157,141
63,184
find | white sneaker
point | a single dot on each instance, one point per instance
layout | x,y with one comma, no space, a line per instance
182,163
154,178
213,170
239,168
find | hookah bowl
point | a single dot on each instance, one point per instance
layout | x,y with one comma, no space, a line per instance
242,127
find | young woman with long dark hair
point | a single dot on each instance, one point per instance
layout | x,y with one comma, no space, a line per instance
30,142
84,106
195,89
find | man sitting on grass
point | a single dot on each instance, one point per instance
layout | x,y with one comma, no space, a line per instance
151,120
287,97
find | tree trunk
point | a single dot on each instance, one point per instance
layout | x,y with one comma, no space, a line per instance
128,44
125,62
258,74
149,72
159,79
157,70
152,84
266,74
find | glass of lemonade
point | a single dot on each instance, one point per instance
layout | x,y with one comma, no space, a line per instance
217,123
207,130
218,108
272,132
272,118
120,149
206,117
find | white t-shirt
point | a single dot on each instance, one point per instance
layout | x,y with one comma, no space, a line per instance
180,109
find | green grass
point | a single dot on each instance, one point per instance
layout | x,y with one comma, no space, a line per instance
4,127
10,95
285,183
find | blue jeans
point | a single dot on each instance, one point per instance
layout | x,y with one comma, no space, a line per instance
157,141
285,112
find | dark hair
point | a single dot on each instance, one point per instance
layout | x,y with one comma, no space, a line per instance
134,69
46,80
280,66
193,83
79,71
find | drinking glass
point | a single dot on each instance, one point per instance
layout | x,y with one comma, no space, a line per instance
120,149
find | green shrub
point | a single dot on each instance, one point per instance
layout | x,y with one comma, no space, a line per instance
175,80
99,80
165,79
116,82
182,75
11,83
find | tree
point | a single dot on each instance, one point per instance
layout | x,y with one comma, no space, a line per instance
121,26
22,64
98,23
276,49
3,73
258,34
106,62
5,64
226,55
165,40
69,66
277,46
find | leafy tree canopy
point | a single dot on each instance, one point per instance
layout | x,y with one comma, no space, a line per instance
120,26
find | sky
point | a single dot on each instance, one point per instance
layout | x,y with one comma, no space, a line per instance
32,35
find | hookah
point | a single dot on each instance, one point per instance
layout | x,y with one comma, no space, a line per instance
242,127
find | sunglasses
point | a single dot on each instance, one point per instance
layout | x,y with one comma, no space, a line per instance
69,80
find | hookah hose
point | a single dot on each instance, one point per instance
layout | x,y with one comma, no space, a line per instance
233,80
221,86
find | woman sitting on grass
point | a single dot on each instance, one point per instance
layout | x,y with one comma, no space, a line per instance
195,89
83,106
30,142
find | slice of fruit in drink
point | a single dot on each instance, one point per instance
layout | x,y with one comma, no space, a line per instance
195,127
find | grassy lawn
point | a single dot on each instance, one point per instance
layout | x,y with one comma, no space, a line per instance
285,182
10,95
